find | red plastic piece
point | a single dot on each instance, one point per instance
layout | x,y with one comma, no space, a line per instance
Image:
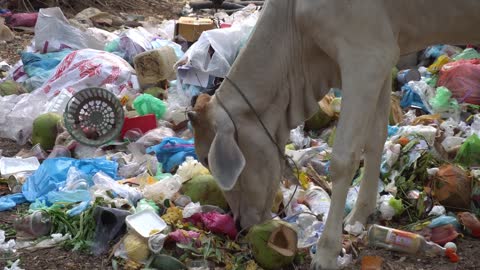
144,123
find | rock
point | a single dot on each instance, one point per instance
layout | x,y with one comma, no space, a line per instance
45,130
205,190
5,33
274,244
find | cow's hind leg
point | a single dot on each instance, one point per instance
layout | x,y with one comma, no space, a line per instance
363,77
367,198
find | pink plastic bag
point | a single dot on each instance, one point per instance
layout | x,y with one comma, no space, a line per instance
183,237
462,78
216,223
23,19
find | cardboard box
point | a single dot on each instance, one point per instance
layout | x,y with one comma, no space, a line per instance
191,28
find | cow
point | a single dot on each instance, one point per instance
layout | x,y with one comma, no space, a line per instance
299,50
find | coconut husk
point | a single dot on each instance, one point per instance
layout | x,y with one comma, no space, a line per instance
274,244
452,187
323,117
396,113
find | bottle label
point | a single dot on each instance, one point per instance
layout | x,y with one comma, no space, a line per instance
399,238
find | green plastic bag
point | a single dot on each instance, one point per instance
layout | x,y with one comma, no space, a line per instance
469,153
444,104
148,104
467,54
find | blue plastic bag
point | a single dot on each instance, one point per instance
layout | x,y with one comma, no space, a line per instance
39,67
8,202
410,98
52,174
173,152
444,220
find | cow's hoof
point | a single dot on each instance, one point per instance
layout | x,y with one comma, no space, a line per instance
324,261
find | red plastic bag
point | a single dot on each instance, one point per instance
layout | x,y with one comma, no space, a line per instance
23,19
183,237
216,223
462,78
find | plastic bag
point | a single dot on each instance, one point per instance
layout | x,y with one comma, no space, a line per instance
173,151
462,78
39,67
225,42
298,138
54,33
9,201
163,189
467,54
52,174
216,223
155,136
76,180
469,153
18,121
443,104
90,68
148,104
191,209
105,182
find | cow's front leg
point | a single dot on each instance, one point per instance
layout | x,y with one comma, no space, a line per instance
361,92
367,198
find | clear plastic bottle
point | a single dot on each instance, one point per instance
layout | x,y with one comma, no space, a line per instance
402,241
318,200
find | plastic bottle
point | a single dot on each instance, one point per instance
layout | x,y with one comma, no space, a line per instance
402,241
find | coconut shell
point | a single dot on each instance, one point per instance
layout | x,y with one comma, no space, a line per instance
452,187
205,190
273,244
324,115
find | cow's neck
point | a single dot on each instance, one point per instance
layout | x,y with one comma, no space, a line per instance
427,22
270,71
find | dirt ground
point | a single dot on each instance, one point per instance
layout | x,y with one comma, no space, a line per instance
58,258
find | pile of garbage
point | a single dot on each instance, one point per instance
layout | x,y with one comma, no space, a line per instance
144,198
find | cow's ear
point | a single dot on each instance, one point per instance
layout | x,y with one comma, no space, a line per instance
225,159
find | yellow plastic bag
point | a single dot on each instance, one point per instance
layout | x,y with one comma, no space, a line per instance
438,64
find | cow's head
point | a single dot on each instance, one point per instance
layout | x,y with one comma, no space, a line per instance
215,142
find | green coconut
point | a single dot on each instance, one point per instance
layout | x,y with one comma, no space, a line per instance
165,262
273,244
205,190
323,117
11,88
45,130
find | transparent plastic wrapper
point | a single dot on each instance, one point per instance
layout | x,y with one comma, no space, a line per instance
424,91
156,242
54,33
303,156
191,209
427,132
18,123
155,136
105,182
318,200
76,180
298,138
163,189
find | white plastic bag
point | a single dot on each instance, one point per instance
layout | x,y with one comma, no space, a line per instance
191,168
191,209
90,68
54,33
163,189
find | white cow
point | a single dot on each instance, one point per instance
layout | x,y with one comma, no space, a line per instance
298,51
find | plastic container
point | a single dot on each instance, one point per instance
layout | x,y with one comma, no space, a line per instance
59,103
144,123
146,222
402,241
36,224
10,166
60,151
